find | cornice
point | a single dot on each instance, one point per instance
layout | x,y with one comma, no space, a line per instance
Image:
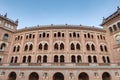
50,27
111,17
9,20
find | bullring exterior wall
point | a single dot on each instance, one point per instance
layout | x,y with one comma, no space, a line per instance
60,52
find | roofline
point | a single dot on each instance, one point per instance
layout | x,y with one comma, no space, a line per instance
5,18
44,27
114,15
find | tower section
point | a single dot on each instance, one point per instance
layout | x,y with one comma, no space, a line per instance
112,26
7,28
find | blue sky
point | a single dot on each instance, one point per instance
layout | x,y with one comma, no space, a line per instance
46,12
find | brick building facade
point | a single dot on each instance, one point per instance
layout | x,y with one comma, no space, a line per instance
60,52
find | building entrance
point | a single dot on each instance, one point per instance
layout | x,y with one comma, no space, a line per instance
58,76
33,76
12,76
83,76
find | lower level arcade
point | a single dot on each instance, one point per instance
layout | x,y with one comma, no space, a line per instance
58,74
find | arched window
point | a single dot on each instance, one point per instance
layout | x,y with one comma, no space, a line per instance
118,24
95,59
45,59
15,38
106,76
89,59
79,59
105,48
6,36
83,76
11,61
74,34
62,34
12,76
104,60
56,46
46,46
26,36
61,58
39,59
3,45
70,35
54,34
93,47
40,46
30,47
24,59
78,46
55,58
78,35
104,37
110,29
58,76
73,59
47,35
33,36
72,46
92,36
33,76
114,27
0,60
88,35
16,58
101,47
108,59
14,48
18,48
18,37
30,35
21,37
84,35
59,34
98,37
29,59
26,47
61,46
88,47
39,35
43,34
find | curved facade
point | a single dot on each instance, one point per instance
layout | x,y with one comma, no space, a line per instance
66,44
60,52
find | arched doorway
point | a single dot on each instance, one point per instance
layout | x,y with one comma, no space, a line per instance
12,76
83,76
106,76
58,76
33,76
